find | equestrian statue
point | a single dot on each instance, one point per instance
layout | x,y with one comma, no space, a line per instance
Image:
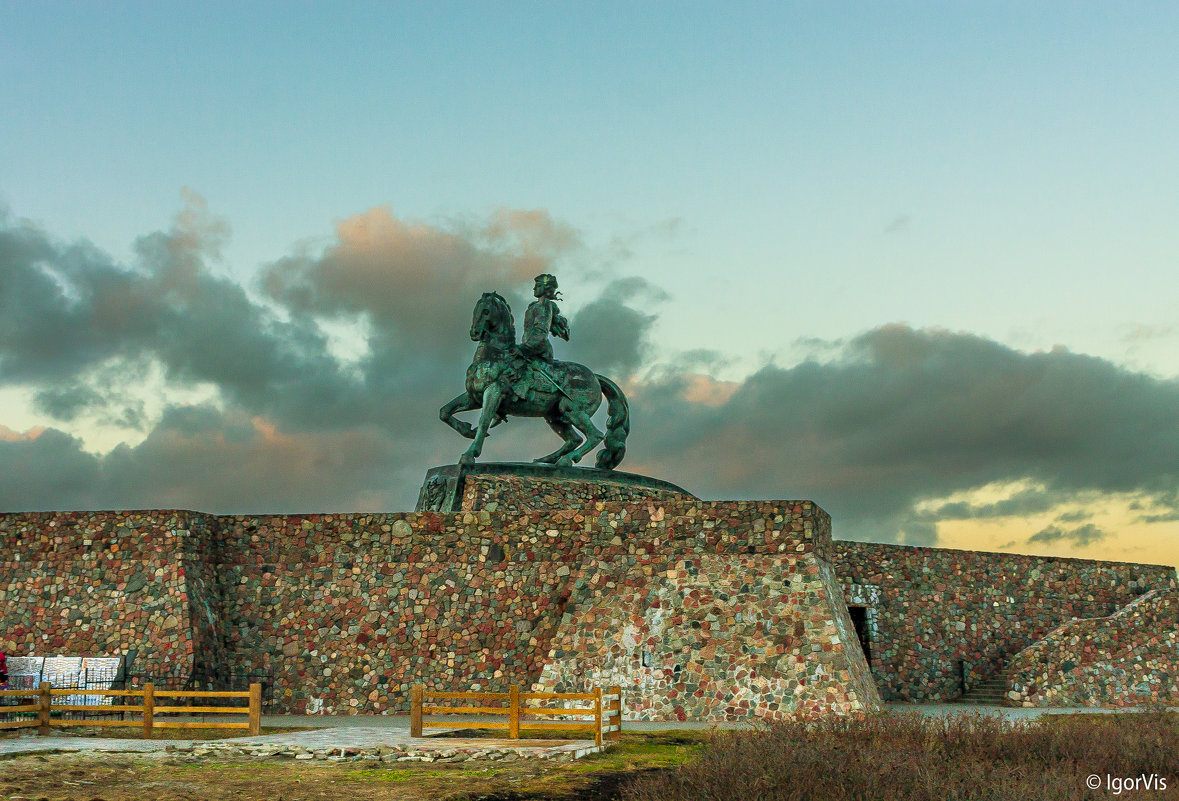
524,380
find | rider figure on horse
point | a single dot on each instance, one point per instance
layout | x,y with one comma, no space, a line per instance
542,319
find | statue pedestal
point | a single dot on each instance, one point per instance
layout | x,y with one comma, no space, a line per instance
527,486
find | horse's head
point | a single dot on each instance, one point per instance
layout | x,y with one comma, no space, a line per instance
492,315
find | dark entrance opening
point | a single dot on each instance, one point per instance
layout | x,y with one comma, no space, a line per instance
859,617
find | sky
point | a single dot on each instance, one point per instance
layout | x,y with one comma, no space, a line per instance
914,261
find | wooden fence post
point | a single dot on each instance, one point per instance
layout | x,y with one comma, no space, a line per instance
598,716
149,703
514,715
415,711
255,709
46,700
617,690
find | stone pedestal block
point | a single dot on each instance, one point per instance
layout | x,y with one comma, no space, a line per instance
519,486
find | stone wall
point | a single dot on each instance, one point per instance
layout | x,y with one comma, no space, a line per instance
517,487
99,584
1130,658
519,493
715,636
928,608
346,611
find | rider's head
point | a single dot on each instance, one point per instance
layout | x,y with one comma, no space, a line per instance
545,287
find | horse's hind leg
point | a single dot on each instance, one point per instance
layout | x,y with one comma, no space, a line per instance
566,432
592,436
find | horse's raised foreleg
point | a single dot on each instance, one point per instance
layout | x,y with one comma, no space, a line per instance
462,403
592,437
566,432
491,399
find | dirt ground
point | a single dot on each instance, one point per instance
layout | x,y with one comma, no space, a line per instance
182,777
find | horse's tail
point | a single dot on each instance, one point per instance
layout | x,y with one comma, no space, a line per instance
617,425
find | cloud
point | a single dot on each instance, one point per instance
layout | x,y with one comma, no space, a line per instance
84,333
1078,537
905,416
879,431
1032,500
418,282
609,334
205,459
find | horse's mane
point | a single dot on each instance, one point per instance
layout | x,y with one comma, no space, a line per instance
499,301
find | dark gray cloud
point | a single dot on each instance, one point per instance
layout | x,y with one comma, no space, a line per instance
1077,537
1025,502
885,421
609,333
905,416
205,459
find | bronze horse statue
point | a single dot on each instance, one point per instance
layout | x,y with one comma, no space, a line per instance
501,381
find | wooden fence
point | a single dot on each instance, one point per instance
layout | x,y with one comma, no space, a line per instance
147,708
603,718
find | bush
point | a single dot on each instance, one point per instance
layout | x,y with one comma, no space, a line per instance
907,756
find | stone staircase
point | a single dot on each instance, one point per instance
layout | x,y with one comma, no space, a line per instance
991,691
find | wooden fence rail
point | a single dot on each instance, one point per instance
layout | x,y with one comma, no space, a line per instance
603,716
146,708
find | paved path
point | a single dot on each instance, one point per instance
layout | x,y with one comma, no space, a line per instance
27,744
1008,712
371,733
355,739
931,710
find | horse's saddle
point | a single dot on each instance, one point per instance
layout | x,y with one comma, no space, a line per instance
525,373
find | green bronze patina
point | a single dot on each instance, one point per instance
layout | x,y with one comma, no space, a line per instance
525,381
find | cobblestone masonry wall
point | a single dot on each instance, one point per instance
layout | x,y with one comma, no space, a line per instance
97,584
1128,659
346,610
508,493
331,603
713,638
927,608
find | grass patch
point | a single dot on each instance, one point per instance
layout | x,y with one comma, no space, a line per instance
120,777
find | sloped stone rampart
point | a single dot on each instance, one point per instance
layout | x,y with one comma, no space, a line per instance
1130,658
928,608
713,637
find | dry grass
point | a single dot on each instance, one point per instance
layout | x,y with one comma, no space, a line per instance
899,757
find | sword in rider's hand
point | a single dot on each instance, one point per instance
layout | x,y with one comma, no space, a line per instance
552,380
